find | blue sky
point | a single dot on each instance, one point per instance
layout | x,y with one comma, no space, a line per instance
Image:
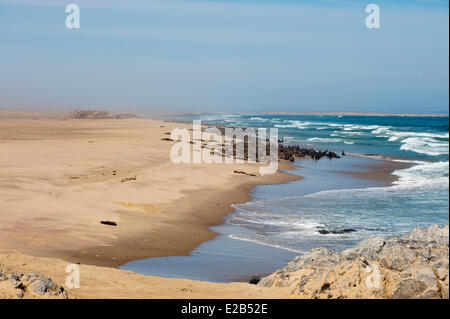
225,56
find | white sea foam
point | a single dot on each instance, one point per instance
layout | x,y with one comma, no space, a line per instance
284,126
418,142
306,124
352,133
261,242
324,140
352,127
429,143
294,124
417,134
424,174
381,130
274,220
258,119
425,145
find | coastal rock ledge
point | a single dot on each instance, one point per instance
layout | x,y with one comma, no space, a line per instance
412,266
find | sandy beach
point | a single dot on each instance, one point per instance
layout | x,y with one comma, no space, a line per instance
223,150
61,178
101,193
107,282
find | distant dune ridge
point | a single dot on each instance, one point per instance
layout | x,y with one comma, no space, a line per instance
97,115
89,114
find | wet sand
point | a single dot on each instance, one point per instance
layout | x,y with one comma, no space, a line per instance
226,259
59,179
107,282
381,171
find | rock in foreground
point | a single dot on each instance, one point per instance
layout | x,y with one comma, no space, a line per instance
32,285
412,266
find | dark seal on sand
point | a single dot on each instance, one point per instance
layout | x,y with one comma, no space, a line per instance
335,231
109,223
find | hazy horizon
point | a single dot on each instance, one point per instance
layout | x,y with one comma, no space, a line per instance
225,56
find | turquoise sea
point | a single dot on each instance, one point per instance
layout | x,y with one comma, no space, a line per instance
419,197
287,218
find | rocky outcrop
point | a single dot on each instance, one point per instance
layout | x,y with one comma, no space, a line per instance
30,285
97,115
412,266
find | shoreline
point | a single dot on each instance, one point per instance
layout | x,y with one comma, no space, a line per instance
169,240
189,222
169,223
244,257
381,172
85,171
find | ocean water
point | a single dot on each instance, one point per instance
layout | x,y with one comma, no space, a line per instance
412,138
282,221
418,198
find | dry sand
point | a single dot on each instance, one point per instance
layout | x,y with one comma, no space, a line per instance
106,282
59,179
